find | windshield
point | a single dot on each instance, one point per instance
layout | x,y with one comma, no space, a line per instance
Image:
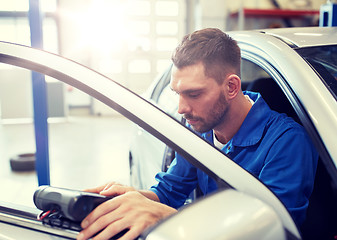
324,60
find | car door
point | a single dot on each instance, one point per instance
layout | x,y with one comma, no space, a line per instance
260,74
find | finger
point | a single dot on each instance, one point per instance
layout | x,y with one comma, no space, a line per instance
100,210
109,223
135,225
110,184
99,221
101,188
95,228
133,233
116,190
95,189
134,230
122,229
115,229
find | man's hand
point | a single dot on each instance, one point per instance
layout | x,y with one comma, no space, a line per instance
111,189
129,209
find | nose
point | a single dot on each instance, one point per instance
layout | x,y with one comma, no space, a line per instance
183,106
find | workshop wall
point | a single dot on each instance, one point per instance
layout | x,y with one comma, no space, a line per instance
225,14
129,41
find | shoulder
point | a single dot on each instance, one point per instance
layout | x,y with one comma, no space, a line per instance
285,133
282,123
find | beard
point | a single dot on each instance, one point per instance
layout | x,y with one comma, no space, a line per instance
215,115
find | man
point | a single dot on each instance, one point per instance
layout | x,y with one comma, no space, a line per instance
273,147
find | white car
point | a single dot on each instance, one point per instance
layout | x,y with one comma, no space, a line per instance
295,70
302,63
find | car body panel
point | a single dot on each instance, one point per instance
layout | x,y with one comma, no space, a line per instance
20,222
9,231
305,36
249,218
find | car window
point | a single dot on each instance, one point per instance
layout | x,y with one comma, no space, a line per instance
250,72
168,100
162,95
161,83
256,79
92,145
324,60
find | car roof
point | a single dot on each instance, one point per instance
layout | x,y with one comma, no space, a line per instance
304,36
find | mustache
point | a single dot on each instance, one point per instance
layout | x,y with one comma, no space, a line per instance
191,117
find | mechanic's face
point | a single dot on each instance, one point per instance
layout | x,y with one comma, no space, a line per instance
202,100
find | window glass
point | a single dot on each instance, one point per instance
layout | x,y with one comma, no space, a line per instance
15,93
139,27
139,8
50,39
256,79
139,44
80,150
140,66
166,44
23,5
14,5
167,28
15,30
324,60
167,8
107,66
251,72
163,64
5,66
168,101
48,5
134,27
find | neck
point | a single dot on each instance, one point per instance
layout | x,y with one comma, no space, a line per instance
238,110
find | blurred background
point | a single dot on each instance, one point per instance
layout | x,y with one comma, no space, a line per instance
131,42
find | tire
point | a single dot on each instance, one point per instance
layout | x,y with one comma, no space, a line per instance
23,162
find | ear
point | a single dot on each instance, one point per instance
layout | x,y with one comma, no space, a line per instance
233,85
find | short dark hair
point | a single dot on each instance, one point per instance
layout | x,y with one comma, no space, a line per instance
216,50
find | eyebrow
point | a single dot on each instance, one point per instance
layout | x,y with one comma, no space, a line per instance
188,91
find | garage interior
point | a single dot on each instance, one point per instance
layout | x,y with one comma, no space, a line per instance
128,41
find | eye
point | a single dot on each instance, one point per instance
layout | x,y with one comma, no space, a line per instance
194,94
